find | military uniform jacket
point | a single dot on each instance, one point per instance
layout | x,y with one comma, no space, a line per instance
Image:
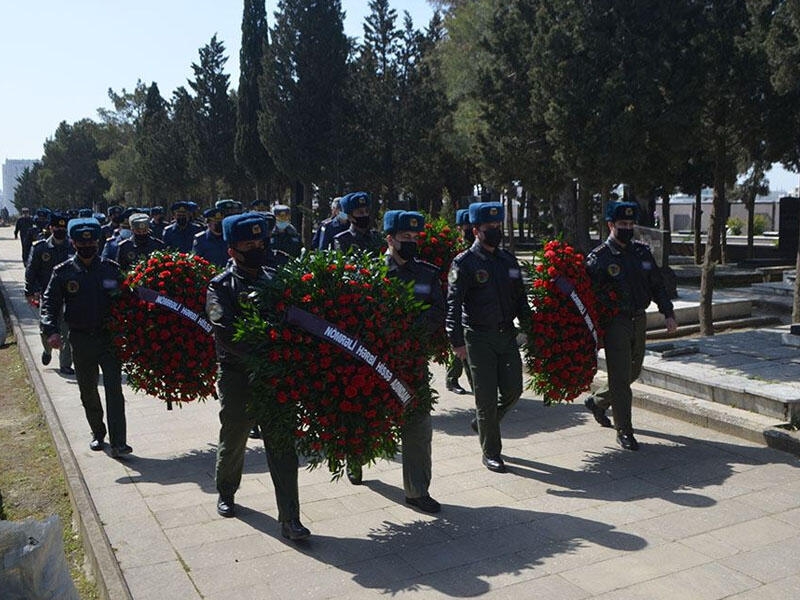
211,247
157,229
23,226
286,241
180,239
633,274
329,229
224,305
45,255
485,292
352,238
87,293
130,251
427,288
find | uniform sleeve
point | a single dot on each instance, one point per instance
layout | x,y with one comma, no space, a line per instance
659,289
32,283
222,310
52,303
455,300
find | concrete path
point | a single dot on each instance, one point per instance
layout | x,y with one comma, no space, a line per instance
694,514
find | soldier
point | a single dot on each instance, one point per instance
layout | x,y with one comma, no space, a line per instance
109,230
247,236
140,245
285,242
402,231
456,366
44,256
259,206
121,233
180,234
484,296
39,231
157,222
229,207
82,288
357,206
21,230
209,243
330,227
630,269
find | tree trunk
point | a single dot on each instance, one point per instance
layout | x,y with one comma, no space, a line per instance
698,222
796,303
583,242
712,255
751,218
666,227
509,204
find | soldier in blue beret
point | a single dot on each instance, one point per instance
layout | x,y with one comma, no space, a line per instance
109,229
157,224
40,229
357,206
229,206
110,249
209,243
180,234
628,267
44,256
456,366
330,227
82,289
285,243
402,230
485,295
259,205
247,237
85,213
141,245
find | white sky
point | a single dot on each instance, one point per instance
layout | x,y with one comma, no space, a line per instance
59,58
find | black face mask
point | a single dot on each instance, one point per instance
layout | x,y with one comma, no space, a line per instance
469,236
182,221
86,252
407,250
361,222
492,237
216,228
60,234
140,238
624,236
255,258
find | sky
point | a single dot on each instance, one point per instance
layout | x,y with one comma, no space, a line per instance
58,59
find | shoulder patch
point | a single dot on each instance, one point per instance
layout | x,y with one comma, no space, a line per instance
614,269
481,275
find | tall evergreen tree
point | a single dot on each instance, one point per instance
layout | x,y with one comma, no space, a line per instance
304,74
251,155
28,192
70,177
215,118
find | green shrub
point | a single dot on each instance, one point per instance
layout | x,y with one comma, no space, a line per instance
735,225
760,224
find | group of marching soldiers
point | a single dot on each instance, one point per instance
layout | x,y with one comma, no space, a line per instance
485,301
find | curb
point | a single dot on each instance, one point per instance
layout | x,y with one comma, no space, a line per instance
712,415
102,564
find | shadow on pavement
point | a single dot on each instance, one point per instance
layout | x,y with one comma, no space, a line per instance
454,553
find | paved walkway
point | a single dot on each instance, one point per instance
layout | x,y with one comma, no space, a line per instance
694,514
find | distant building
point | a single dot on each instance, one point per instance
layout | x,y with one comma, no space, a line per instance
12,169
682,210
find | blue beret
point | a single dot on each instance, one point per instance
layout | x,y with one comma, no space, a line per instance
228,205
43,213
245,227
128,212
84,230
192,205
622,211
115,210
390,220
213,213
157,210
462,216
99,216
85,213
73,214
58,219
486,212
354,200
180,206
258,204
410,221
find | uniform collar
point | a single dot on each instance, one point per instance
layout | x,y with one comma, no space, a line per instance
614,246
478,249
